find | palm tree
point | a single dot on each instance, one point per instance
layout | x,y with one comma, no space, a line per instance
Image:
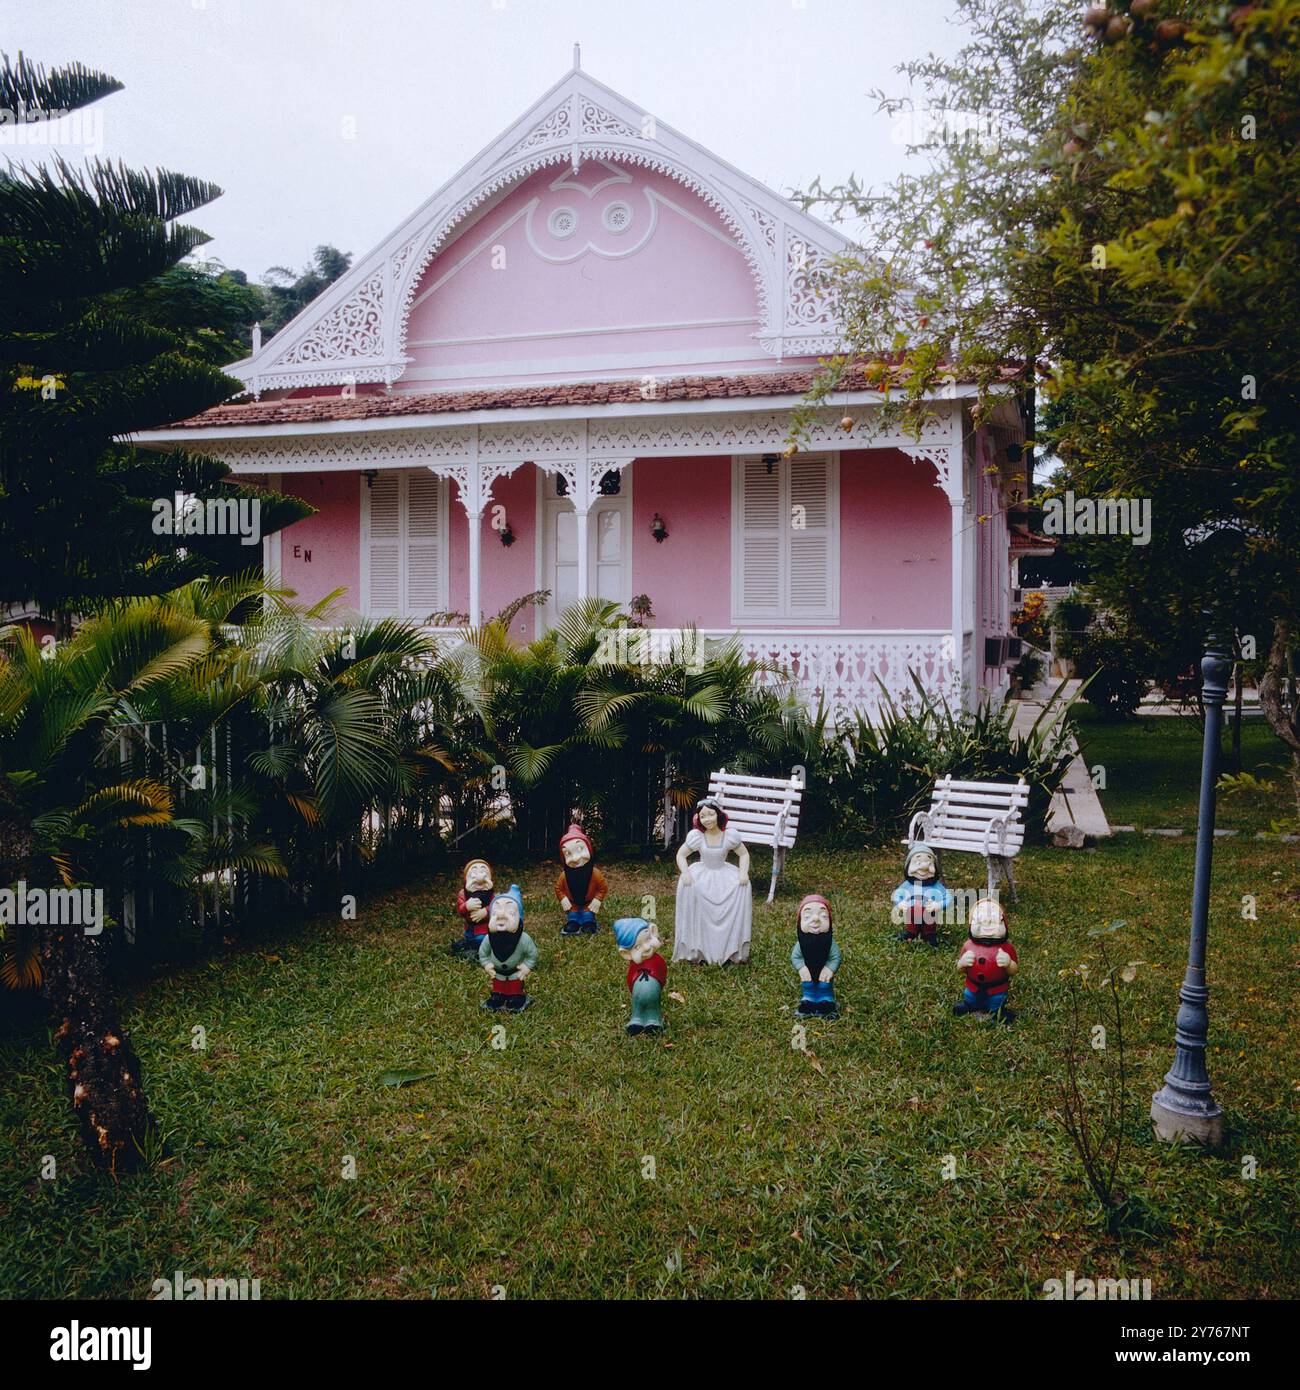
66,811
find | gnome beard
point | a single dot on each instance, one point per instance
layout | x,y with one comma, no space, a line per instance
503,943
579,883
816,948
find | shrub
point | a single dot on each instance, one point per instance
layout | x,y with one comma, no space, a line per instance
887,767
1117,661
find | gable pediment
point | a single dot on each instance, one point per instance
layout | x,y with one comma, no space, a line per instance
592,139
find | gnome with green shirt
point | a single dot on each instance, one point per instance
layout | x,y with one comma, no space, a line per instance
508,954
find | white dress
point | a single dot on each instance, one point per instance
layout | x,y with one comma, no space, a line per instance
715,913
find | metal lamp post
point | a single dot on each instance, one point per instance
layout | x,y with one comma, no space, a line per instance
1184,1108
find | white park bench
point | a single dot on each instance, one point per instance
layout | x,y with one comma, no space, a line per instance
976,818
762,811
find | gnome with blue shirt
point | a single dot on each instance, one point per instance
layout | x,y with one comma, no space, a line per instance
508,954
922,898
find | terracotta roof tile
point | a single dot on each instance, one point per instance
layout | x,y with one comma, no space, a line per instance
365,406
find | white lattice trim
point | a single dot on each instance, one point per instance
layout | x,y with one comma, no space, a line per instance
842,668
331,452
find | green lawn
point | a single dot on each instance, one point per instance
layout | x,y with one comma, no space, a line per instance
1152,768
773,1168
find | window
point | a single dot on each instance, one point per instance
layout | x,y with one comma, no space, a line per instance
404,544
785,539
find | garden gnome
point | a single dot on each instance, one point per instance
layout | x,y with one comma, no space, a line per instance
647,972
816,956
581,887
472,904
508,953
989,961
921,899
715,908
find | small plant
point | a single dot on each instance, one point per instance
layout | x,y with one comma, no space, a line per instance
640,609
1031,619
1094,1116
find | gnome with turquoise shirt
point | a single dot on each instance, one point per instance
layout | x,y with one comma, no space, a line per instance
922,898
508,954
816,956
647,972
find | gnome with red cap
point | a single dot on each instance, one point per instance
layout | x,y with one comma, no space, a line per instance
472,904
816,956
581,887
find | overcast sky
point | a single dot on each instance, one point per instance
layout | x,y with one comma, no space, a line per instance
330,120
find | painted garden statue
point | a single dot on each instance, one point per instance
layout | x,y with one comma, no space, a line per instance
647,972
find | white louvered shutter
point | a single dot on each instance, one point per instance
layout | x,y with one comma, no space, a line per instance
760,539
424,543
811,581
384,544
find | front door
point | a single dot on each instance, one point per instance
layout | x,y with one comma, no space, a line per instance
609,546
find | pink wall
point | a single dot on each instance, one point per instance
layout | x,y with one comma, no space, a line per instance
688,576
506,274
323,552
895,547
895,543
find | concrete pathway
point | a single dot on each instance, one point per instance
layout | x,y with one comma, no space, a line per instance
1077,802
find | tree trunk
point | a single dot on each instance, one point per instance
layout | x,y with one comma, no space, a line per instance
1284,722
103,1070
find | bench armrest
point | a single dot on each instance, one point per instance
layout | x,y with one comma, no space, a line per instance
998,823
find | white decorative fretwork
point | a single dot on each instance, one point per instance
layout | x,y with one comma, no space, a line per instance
354,330
847,669
531,440
556,445
556,128
329,453
597,122
357,330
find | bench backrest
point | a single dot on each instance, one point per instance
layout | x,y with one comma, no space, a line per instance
961,811
762,810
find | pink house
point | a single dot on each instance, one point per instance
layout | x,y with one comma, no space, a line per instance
572,369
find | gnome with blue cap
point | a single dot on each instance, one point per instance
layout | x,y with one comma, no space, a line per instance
647,972
508,954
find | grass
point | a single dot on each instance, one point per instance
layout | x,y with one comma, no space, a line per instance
773,1169
1152,773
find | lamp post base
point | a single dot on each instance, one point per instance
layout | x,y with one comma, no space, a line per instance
1193,1126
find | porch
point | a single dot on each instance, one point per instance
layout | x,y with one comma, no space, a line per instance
849,564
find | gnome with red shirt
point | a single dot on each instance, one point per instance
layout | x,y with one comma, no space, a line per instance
581,888
647,972
989,961
472,904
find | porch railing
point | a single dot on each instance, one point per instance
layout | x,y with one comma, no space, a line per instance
847,667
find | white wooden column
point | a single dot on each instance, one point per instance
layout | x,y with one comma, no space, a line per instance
474,479
950,477
957,511
475,564
582,493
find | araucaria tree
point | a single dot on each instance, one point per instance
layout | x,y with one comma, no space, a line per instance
102,332
1111,202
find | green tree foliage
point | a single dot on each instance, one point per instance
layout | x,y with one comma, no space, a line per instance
288,294
1114,205
104,331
